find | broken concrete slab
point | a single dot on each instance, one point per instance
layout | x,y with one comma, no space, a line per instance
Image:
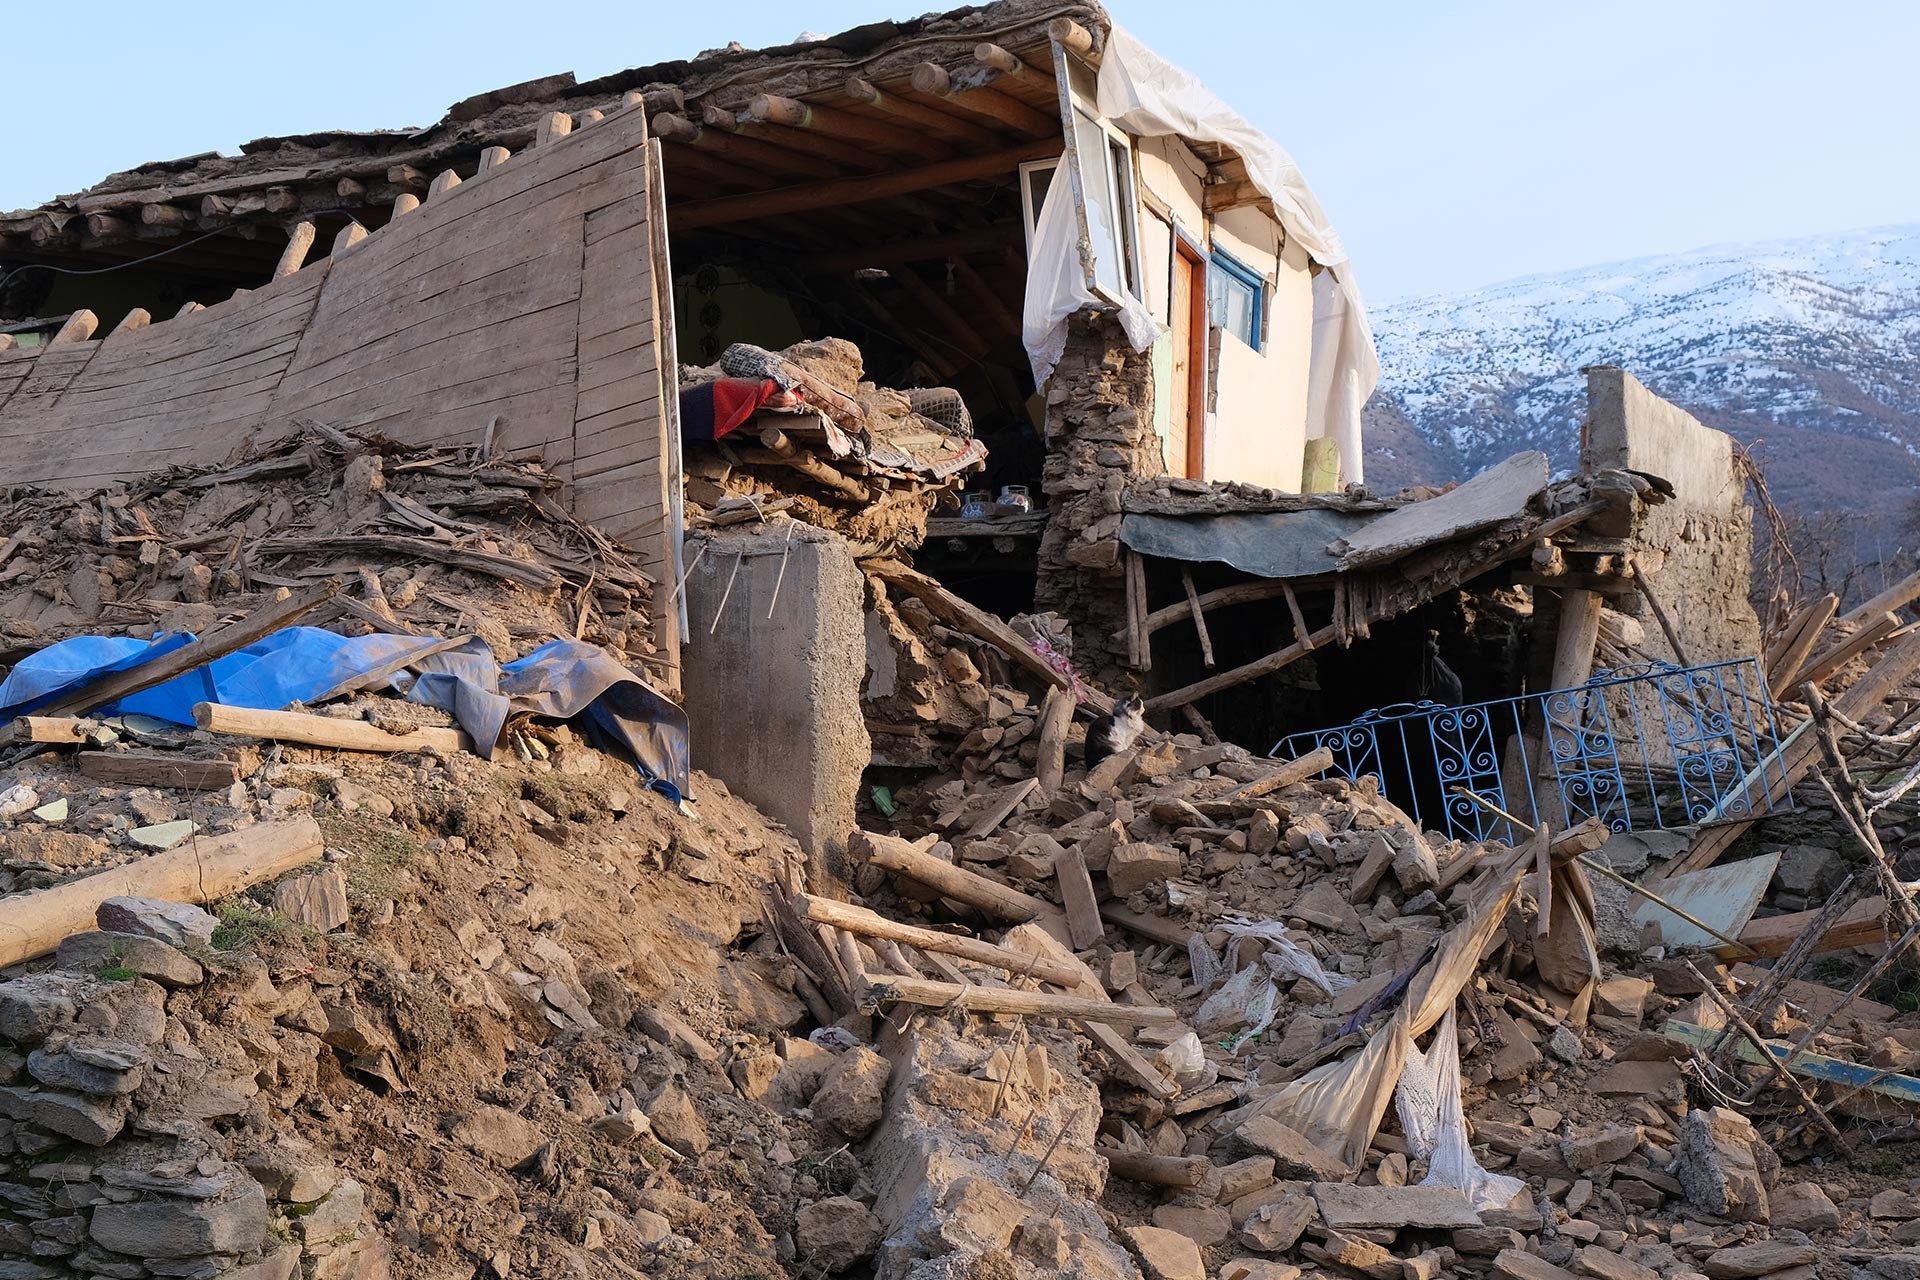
1724,1166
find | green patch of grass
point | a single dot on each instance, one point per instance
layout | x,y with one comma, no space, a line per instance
245,925
111,969
1886,1164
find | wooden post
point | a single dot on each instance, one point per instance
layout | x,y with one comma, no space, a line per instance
406,203
1139,644
1050,762
852,919
492,158
294,256
891,853
446,182
1199,618
350,235
1031,1004
323,731
134,321
200,871
553,126
78,328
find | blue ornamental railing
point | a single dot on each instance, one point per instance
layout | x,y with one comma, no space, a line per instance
1648,745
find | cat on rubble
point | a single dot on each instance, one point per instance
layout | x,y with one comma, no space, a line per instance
1112,734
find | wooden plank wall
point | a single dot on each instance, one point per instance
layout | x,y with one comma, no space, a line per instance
521,298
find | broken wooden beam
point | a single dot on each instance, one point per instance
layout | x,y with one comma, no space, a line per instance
199,871
1030,1004
851,919
1077,896
1776,775
1286,774
324,731
1155,1170
1870,633
59,730
891,853
1050,758
1813,1066
1862,924
159,769
968,618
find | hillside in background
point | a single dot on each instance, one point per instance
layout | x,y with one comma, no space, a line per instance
1809,347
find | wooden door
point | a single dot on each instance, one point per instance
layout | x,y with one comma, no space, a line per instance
1188,307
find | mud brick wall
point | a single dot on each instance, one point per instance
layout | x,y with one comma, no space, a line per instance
1100,438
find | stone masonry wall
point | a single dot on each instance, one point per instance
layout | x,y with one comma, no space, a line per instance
1100,438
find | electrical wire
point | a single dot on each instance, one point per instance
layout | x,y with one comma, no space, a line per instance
152,257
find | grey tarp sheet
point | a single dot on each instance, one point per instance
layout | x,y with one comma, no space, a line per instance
1278,544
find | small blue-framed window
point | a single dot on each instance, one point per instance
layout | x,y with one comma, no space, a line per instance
1234,298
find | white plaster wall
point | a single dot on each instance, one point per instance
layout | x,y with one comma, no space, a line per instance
1257,432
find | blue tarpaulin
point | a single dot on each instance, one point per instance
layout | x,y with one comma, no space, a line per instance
563,680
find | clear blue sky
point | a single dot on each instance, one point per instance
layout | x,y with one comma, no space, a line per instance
1453,145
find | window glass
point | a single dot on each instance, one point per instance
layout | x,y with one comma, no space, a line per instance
1233,298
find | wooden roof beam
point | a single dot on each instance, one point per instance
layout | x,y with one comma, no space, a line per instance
831,150
733,148
1071,36
920,114
794,114
878,186
982,101
1222,196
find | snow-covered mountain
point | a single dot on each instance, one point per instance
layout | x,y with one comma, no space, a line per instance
1812,345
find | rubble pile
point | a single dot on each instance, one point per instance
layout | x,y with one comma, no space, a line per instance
1275,920
495,1028
432,541
865,461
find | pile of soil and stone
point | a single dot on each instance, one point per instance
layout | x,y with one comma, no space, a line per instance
527,1016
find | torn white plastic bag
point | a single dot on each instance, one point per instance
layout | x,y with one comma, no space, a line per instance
1288,957
1247,999
1434,1122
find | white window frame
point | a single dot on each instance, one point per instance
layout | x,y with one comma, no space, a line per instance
1120,183
1029,211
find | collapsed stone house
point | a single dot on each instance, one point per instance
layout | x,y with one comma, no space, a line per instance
1148,319
1004,246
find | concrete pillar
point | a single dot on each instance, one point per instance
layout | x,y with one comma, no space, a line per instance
774,701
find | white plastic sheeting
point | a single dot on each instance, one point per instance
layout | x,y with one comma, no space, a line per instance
1434,1122
1147,96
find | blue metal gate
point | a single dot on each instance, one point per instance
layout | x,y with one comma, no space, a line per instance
1647,745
